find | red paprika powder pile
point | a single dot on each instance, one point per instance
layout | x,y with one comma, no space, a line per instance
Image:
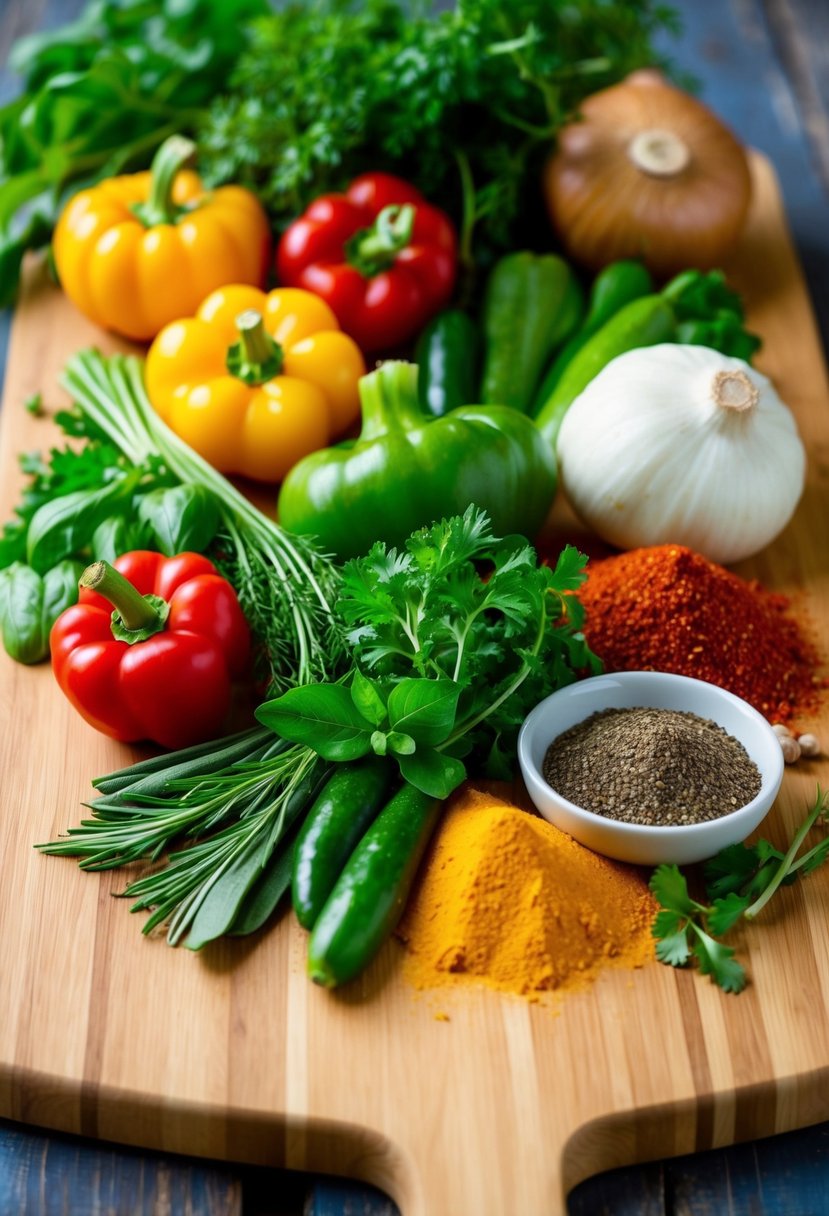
667,608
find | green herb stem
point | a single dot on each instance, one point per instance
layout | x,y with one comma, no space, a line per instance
787,864
301,583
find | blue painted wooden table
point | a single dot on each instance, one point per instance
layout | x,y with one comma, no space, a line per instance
762,65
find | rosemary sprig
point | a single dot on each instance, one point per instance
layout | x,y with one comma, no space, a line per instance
239,816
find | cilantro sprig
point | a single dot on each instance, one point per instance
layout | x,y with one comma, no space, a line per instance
739,882
453,639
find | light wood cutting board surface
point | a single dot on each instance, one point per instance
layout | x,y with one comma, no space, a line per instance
504,1106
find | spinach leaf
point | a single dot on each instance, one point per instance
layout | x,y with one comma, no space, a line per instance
100,95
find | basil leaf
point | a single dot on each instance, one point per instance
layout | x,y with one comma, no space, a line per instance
181,518
367,699
424,709
66,524
432,772
21,600
60,591
117,535
400,744
323,717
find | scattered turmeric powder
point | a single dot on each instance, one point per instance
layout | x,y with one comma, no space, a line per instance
508,899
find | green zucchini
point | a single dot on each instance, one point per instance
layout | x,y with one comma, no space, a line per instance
369,897
339,817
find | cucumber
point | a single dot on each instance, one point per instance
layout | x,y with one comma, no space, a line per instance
532,302
369,897
338,818
448,354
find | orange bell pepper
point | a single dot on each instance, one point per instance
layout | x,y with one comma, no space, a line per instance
135,252
255,382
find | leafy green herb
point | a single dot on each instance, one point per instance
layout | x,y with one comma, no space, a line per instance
30,604
285,586
236,801
740,881
452,640
182,518
34,405
99,97
465,102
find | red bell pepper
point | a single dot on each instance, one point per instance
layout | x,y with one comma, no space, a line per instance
380,256
160,666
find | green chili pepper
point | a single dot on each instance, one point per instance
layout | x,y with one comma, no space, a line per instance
407,470
532,303
644,322
448,355
30,604
613,288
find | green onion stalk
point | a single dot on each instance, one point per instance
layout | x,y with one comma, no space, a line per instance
235,803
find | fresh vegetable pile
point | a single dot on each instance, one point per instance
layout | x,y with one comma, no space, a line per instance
419,178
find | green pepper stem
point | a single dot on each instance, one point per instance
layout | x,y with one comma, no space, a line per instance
256,357
372,250
136,616
389,400
175,153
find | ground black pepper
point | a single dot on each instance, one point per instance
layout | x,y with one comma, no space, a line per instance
659,767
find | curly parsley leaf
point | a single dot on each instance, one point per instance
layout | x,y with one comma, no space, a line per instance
455,637
465,102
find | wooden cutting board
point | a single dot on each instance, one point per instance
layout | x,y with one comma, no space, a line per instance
504,1106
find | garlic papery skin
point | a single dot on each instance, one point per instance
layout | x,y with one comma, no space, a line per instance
682,445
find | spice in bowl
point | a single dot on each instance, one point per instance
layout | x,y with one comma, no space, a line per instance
657,767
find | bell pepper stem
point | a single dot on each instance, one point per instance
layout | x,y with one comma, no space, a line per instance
256,357
175,154
389,400
135,616
372,250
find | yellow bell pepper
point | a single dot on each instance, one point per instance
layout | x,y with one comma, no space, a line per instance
138,251
255,382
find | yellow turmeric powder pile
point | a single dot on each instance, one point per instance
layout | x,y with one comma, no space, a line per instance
508,899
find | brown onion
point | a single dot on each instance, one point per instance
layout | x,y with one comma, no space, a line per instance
648,172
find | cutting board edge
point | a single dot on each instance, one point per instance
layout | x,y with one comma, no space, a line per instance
634,1137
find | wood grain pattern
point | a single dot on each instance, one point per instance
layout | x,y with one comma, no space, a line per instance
505,1106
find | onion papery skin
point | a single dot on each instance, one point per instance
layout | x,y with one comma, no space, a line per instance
604,207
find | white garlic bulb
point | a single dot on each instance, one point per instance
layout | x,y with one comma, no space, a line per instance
682,445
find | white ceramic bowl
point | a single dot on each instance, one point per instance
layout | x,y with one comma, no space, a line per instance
638,843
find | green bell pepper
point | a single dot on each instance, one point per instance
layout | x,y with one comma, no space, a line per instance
407,470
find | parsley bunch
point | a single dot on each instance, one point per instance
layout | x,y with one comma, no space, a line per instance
464,102
739,882
452,640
